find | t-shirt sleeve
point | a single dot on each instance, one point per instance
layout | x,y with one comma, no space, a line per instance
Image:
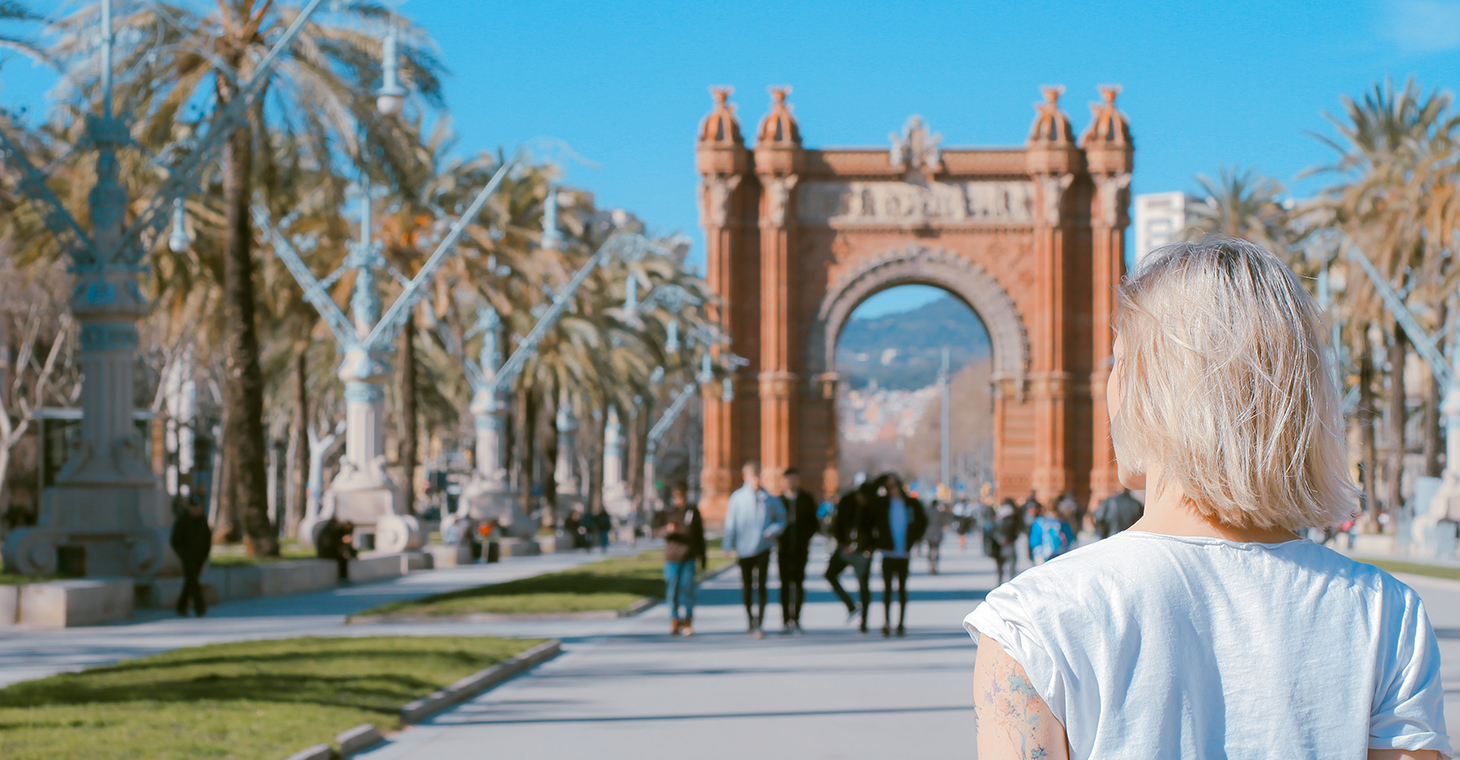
1004,618
1409,707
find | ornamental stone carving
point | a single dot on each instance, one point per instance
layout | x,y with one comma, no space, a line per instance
1110,198
777,198
715,193
1053,196
843,202
916,149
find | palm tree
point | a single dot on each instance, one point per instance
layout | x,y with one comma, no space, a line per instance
1385,141
174,57
1245,204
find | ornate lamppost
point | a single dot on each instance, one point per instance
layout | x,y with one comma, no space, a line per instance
108,513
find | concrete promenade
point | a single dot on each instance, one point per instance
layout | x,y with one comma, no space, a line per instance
630,691
27,654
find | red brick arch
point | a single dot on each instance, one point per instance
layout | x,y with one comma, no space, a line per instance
1031,238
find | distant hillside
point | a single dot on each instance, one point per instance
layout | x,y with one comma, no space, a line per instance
905,350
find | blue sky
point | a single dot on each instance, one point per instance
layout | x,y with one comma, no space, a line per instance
1205,83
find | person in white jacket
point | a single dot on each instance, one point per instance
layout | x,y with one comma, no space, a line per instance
753,520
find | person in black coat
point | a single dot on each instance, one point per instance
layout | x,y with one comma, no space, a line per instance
793,549
192,540
899,522
852,532
336,542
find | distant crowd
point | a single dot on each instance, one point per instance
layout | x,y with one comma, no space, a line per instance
877,517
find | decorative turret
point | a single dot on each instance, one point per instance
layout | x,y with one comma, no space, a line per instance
1107,143
1051,155
1051,127
778,129
721,129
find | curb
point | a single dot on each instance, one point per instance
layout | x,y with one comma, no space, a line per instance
479,682
637,607
481,617
364,736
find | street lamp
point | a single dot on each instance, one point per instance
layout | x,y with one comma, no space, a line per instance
391,97
178,241
108,513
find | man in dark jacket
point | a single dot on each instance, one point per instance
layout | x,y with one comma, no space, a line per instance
192,540
899,522
336,542
684,546
1117,513
853,534
793,549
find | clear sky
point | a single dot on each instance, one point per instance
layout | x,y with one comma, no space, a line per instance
1205,83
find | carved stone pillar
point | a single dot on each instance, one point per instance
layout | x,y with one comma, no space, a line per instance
723,162
1053,161
778,158
1110,155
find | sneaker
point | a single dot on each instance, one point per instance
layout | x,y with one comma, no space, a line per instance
788,628
864,626
796,628
687,630
886,631
756,633
901,632
853,613
675,625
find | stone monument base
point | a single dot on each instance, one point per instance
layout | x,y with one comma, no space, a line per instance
94,531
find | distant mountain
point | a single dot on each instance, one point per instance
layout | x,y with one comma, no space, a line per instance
905,350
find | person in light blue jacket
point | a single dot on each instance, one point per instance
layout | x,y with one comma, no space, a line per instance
753,520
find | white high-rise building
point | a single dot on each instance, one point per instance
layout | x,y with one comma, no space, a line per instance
1160,219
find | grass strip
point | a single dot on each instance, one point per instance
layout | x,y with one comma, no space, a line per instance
1414,568
607,585
232,555
260,700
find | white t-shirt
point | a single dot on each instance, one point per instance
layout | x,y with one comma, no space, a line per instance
1147,645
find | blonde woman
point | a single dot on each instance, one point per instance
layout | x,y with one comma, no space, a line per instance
1210,629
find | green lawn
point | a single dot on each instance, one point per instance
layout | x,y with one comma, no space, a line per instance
15,579
611,584
232,554
256,700
1434,571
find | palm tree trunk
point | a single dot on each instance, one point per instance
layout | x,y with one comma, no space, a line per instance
1398,409
1365,417
526,454
549,450
1434,438
594,448
299,432
407,453
243,387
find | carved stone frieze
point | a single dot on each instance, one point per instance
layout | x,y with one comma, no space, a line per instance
715,192
857,202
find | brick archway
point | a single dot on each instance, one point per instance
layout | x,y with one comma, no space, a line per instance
920,265
1031,238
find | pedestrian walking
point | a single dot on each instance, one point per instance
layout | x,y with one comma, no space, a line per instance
192,540
336,542
851,529
753,521
1071,511
793,549
1001,538
1117,513
963,522
939,515
1030,509
1050,535
899,524
684,547
1210,629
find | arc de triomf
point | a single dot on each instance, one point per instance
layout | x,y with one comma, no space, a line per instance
1031,238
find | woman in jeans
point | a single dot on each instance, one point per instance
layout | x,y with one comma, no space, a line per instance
1210,629
684,546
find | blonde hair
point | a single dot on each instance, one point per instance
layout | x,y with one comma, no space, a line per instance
1227,383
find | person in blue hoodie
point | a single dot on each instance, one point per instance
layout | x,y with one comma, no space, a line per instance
753,520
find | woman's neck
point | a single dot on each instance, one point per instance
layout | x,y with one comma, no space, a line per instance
1167,512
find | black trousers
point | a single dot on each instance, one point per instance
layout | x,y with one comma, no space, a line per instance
894,569
792,568
862,566
192,591
749,567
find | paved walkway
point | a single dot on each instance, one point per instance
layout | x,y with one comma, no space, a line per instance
624,689
27,654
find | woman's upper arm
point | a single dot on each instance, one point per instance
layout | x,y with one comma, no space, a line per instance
1013,720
